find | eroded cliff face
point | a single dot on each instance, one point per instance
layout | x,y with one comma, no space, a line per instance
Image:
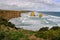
9,14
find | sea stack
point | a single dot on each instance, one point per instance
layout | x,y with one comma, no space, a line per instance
40,15
32,14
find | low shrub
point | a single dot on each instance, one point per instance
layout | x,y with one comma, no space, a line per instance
6,23
44,29
13,35
2,35
55,28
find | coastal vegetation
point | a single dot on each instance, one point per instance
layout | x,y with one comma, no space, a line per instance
9,32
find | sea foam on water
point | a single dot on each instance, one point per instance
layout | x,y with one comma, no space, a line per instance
34,23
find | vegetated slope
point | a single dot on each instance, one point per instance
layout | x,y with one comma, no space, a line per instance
9,32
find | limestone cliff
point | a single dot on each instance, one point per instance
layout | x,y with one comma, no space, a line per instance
6,14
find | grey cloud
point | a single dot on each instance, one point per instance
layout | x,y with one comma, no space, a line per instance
36,5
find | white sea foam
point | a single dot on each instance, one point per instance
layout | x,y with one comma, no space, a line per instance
35,23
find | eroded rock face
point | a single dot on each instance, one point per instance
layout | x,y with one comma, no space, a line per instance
9,14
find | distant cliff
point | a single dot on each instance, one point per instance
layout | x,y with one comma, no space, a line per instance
8,14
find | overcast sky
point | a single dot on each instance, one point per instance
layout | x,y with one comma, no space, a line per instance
36,5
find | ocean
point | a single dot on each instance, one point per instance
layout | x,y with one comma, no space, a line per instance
34,23
52,13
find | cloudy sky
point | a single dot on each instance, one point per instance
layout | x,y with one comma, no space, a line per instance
35,5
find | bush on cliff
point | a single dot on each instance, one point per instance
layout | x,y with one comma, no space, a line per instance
6,23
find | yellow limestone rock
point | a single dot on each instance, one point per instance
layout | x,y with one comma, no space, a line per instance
40,15
32,14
